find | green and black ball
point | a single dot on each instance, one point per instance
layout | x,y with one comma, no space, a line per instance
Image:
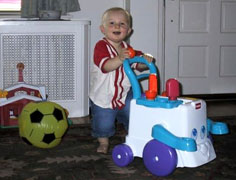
43,124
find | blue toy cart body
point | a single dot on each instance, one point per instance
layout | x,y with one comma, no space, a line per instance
166,133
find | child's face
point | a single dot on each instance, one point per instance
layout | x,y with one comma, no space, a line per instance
115,27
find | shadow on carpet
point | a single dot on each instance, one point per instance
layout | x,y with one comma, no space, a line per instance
75,159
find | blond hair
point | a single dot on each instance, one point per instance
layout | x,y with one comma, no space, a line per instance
116,9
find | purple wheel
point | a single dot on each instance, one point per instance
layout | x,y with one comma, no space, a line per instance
122,155
159,159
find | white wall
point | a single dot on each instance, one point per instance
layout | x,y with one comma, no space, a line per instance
147,26
92,10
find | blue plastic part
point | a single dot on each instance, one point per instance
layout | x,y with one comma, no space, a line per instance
159,102
132,76
217,128
133,80
138,59
142,76
182,143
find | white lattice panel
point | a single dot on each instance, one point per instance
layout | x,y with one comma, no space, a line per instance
55,54
48,59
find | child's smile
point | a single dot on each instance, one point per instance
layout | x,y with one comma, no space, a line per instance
116,32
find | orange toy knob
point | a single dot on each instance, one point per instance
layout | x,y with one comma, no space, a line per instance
131,52
151,93
164,93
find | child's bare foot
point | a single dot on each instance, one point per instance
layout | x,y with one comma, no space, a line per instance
103,145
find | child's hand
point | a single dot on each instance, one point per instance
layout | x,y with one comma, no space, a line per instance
141,67
124,54
148,57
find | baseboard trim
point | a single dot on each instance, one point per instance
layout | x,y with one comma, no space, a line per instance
213,97
81,120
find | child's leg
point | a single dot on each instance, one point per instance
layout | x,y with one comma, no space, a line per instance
123,114
103,145
103,125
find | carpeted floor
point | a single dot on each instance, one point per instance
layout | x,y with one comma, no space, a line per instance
75,159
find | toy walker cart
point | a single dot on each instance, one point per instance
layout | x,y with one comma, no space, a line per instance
166,131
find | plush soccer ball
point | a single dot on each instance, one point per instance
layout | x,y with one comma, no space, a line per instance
43,124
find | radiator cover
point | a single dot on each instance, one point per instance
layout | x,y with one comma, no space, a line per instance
55,54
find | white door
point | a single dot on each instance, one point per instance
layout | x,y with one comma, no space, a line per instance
200,45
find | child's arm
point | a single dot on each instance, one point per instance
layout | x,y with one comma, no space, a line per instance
142,67
114,63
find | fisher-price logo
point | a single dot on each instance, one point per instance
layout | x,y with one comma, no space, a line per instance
198,106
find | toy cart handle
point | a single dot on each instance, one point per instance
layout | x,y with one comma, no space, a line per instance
132,76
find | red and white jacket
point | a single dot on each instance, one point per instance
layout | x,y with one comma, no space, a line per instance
108,89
